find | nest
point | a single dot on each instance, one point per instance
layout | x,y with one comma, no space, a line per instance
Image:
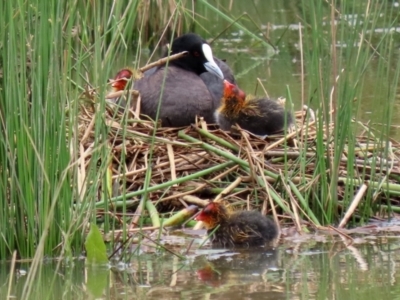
174,167
206,162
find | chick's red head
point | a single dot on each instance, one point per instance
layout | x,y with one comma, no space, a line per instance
212,215
232,91
121,79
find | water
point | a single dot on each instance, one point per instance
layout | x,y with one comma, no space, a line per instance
311,269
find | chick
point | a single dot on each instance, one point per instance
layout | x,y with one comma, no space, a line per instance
260,116
243,228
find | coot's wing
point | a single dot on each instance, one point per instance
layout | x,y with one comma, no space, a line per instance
184,96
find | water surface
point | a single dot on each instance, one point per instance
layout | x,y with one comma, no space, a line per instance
323,269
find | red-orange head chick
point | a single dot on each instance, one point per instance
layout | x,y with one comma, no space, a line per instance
232,91
121,79
213,214
233,100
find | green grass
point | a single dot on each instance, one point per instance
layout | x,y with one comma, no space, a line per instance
335,77
49,53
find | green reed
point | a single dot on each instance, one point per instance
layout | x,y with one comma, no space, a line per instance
341,46
50,53
53,57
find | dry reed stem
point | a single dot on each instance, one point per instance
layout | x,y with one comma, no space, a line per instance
249,151
228,189
163,61
171,157
118,94
195,200
271,203
342,234
353,205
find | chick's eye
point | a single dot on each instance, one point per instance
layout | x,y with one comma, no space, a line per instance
195,53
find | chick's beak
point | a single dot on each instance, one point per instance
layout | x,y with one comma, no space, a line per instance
120,84
210,65
117,85
199,217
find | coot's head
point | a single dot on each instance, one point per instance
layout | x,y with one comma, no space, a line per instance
199,58
212,215
121,79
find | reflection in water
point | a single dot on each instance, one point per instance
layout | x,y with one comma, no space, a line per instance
313,270
243,267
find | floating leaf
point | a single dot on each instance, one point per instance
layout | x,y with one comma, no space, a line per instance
96,252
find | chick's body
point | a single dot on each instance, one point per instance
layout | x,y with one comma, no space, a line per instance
244,228
260,116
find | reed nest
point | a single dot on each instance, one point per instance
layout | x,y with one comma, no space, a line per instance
190,165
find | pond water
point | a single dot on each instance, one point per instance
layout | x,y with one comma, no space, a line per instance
321,268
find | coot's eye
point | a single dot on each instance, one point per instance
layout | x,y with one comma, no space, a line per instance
195,53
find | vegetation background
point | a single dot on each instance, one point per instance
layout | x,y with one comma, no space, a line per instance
56,55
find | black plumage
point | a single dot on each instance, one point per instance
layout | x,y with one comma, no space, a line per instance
190,86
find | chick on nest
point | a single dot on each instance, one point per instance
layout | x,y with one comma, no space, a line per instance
119,83
260,116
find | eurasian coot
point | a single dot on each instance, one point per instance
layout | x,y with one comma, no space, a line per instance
243,228
187,90
260,116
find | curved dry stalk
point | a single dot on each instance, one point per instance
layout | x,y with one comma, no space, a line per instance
163,61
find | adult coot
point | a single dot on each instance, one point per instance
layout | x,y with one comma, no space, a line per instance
243,228
180,88
260,116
